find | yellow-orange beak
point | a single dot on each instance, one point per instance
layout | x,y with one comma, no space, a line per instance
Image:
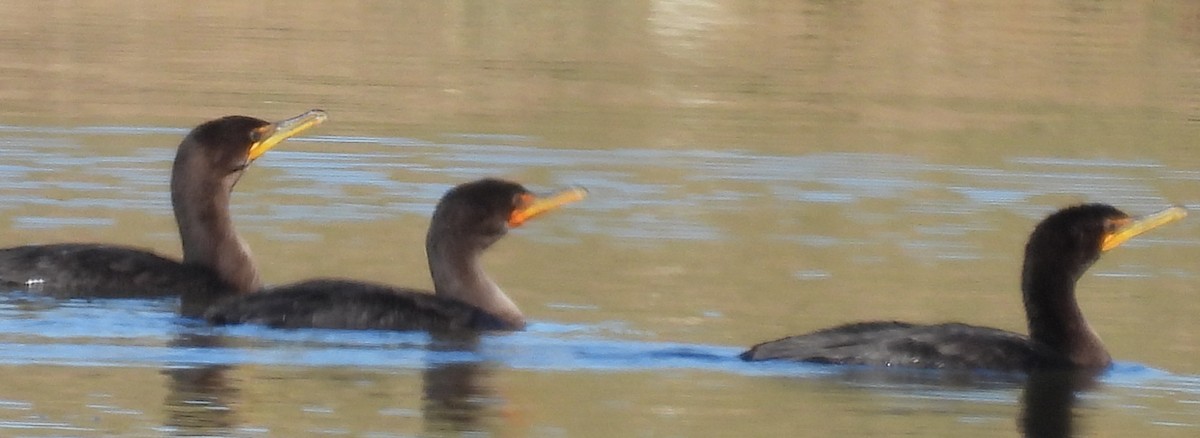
273,134
532,205
1131,227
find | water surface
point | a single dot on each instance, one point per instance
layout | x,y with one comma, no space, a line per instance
755,170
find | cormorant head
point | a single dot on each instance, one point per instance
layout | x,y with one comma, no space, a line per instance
483,211
1078,235
226,146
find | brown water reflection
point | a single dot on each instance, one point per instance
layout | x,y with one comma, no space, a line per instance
205,400
756,168
1048,401
201,400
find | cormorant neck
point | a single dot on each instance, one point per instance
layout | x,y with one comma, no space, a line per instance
1055,320
458,274
206,230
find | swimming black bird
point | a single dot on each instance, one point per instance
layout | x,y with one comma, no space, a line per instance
1060,249
467,220
208,163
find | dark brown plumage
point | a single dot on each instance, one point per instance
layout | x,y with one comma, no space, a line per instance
207,165
468,220
1060,249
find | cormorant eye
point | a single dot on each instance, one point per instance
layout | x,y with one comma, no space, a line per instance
259,133
1110,227
520,200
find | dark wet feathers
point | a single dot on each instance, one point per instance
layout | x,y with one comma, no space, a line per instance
346,304
891,343
72,270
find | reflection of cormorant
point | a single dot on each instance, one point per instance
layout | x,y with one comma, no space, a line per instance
468,219
200,399
1060,249
457,394
209,162
1048,401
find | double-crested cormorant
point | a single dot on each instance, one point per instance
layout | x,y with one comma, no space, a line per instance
208,163
467,220
1060,249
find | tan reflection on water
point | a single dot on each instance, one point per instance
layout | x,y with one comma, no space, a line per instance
813,163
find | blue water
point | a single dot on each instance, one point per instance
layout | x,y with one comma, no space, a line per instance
147,333
38,332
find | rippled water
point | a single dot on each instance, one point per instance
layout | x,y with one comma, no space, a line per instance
249,381
755,171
